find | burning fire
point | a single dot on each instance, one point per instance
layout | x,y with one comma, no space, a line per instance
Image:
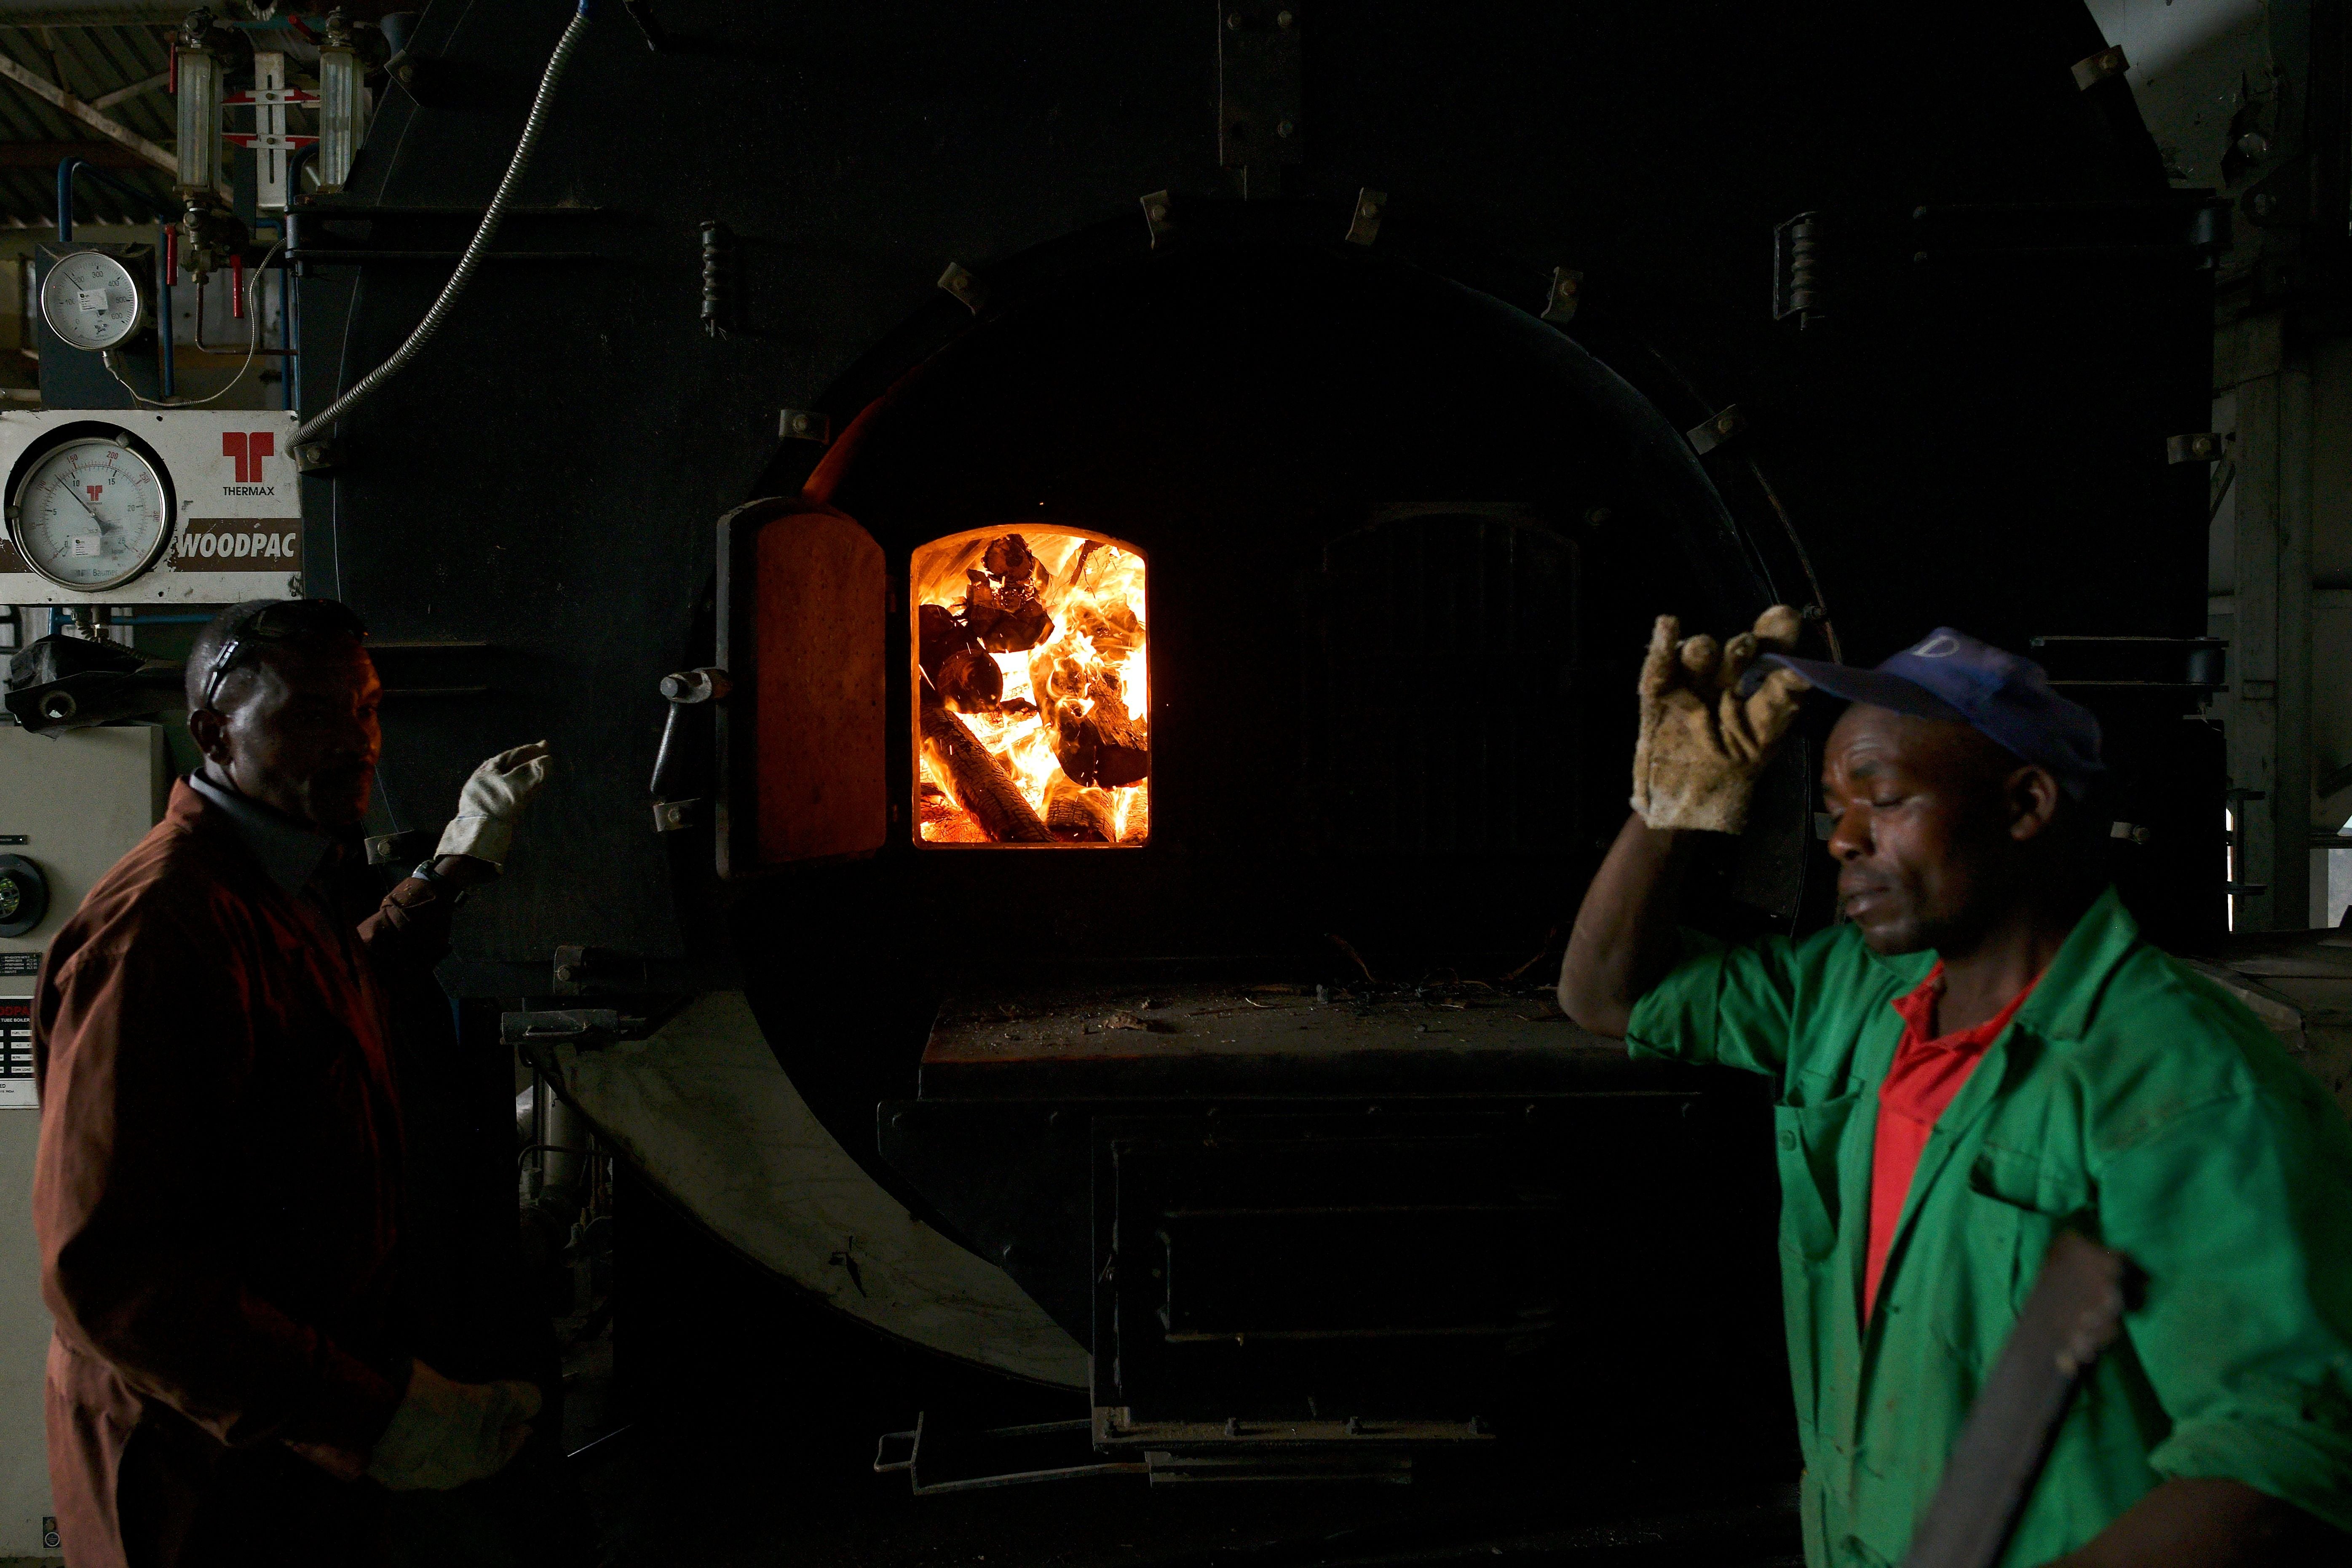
1032,690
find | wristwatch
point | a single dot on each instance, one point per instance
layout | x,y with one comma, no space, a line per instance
425,873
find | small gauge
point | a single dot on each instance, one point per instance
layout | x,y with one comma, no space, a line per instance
90,513
23,895
91,300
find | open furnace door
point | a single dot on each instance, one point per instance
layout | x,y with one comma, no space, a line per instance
803,609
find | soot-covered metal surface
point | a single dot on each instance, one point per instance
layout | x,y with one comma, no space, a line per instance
1408,499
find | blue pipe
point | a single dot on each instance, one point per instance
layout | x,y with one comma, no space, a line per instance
70,169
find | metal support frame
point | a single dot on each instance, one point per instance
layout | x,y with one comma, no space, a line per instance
2269,717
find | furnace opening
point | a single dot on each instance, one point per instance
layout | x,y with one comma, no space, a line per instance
1032,690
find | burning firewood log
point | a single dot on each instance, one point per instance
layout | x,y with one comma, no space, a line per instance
1083,814
1004,607
1102,745
971,681
977,783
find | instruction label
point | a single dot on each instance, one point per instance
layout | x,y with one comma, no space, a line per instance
16,1051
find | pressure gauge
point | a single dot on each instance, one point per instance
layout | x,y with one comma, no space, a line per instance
90,513
91,300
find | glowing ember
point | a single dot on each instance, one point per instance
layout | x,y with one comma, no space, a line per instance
1034,692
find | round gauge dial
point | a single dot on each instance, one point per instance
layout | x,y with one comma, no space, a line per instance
90,513
91,300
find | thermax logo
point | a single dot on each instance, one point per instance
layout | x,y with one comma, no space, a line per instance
250,450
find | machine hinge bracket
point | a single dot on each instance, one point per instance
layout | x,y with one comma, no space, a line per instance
2090,72
1796,268
2200,447
965,284
1707,434
1567,293
1157,216
805,424
1364,223
1259,94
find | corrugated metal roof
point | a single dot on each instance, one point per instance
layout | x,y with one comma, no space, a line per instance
90,62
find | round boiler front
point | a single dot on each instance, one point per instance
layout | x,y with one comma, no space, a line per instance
1402,542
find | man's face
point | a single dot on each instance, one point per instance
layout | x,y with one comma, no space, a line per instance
1930,818
298,732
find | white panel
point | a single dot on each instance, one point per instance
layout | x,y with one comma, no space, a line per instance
79,802
235,484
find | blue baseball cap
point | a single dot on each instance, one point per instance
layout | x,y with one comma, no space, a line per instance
1950,675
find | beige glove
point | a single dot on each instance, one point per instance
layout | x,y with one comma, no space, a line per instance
1702,744
492,802
446,1434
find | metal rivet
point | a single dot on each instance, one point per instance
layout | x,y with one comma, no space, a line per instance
1232,20
1284,129
564,972
1158,211
1282,19
1724,424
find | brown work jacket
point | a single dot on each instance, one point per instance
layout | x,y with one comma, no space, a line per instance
218,1189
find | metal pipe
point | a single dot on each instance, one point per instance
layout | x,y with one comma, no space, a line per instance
491,216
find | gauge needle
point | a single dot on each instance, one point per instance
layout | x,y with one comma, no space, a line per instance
103,526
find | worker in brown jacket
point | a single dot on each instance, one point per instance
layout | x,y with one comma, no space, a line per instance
219,1186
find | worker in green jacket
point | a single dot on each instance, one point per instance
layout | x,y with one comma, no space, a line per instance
1983,1051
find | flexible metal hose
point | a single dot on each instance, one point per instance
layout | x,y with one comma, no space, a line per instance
375,379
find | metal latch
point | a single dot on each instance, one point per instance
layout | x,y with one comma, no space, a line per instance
684,689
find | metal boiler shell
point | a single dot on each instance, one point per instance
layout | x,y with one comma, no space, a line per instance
1971,443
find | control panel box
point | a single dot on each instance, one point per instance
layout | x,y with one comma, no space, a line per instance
148,506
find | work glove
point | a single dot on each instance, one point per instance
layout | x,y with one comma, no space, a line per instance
1701,742
446,1434
492,802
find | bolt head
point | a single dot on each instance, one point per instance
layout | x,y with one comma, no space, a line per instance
1158,212
1233,21
1284,19
565,972
800,423
1286,129
1723,426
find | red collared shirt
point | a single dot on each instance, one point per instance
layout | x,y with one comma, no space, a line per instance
1926,1076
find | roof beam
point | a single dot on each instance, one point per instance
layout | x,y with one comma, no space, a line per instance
42,87
91,12
49,154
108,100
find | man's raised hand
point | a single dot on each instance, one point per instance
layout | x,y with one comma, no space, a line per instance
1701,742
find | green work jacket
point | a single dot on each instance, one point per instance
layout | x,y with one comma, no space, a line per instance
2130,1098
